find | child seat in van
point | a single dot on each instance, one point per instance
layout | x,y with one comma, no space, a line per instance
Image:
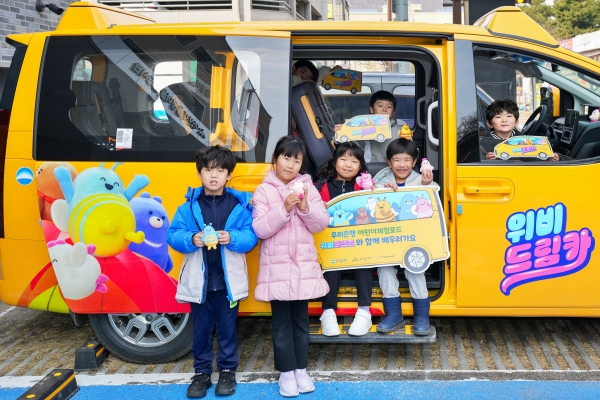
313,121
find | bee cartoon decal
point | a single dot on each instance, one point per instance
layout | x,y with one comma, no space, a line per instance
96,208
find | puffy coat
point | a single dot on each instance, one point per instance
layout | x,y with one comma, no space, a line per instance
193,275
289,269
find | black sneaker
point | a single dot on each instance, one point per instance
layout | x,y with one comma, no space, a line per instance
197,389
227,382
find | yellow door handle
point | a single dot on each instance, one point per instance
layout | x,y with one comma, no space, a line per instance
487,189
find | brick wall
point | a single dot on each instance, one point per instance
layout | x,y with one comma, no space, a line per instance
20,17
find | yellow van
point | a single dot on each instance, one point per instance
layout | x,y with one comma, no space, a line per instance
102,117
370,229
343,79
523,147
365,127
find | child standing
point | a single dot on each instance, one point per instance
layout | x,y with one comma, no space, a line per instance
289,273
213,281
401,157
336,177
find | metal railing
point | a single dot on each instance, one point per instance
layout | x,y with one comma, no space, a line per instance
272,5
157,5
300,17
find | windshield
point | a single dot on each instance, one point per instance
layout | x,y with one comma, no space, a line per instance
586,82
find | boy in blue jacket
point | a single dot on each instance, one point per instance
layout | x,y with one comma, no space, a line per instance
213,280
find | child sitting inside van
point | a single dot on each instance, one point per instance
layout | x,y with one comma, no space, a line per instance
503,118
381,102
402,156
305,71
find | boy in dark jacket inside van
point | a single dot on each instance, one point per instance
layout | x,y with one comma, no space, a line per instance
213,229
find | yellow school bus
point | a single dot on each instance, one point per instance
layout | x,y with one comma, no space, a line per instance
102,117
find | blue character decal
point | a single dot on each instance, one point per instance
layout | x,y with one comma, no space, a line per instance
406,208
152,219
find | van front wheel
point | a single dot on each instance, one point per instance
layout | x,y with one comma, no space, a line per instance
144,338
504,156
344,139
327,86
416,260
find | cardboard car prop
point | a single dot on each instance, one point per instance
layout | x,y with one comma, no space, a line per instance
365,127
343,79
524,147
375,228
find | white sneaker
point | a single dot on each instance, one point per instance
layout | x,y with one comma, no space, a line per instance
287,384
305,383
329,324
362,323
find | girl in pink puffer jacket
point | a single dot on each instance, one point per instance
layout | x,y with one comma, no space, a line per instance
289,273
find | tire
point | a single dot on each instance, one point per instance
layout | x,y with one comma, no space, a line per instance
543,156
353,90
504,156
149,349
380,138
344,139
327,86
416,260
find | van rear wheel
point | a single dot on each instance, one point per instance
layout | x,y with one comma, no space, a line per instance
416,260
353,90
144,338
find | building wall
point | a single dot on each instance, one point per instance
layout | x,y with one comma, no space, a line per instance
20,17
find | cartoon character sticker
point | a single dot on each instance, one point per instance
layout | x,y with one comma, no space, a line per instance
96,208
541,248
152,219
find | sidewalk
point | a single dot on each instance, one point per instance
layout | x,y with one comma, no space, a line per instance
92,387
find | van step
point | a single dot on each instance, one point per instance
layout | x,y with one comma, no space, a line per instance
403,335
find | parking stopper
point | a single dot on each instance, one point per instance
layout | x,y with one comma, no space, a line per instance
90,356
60,384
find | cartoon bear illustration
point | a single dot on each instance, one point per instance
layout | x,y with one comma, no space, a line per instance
340,217
152,219
48,189
96,208
362,216
77,272
406,208
384,211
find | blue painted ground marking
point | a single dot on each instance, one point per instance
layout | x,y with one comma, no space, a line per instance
413,390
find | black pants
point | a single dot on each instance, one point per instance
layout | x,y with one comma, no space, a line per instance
364,287
215,312
290,334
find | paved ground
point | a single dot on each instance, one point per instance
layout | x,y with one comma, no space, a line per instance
32,343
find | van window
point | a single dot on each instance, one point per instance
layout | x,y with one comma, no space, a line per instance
83,70
161,98
375,77
552,100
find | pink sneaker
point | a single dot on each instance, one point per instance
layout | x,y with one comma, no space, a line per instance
305,383
287,384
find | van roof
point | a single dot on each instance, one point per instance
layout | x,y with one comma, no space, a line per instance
83,16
